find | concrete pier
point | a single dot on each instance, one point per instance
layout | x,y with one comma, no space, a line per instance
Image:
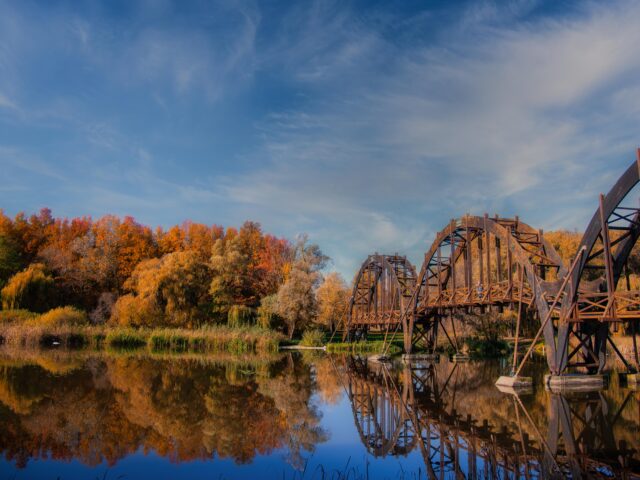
417,357
575,383
378,359
514,382
461,357
518,391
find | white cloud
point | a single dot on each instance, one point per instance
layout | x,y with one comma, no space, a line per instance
388,126
488,118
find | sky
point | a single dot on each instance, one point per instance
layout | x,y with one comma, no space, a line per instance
367,125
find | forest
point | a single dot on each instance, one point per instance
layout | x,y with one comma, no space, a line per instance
116,272
192,286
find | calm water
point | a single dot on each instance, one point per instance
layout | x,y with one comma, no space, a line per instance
296,416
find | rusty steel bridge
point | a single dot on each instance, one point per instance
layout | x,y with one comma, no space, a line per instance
479,264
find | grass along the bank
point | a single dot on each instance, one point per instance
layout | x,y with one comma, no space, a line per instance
208,339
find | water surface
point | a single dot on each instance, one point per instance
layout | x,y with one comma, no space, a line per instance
91,415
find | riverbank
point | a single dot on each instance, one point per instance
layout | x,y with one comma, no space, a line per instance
208,339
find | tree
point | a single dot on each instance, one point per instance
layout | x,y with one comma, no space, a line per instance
268,312
31,289
171,291
135,243
296,298
10,261
231,284
332,296
247,266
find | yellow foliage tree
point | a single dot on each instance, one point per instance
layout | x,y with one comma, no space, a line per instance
170,291
332,296
32,288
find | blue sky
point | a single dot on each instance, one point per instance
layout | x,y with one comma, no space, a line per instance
366,124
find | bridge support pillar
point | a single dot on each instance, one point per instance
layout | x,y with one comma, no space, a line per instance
514,382
575,383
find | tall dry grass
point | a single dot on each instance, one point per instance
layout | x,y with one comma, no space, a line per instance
67,328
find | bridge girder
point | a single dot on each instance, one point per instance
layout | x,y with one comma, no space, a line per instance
476,263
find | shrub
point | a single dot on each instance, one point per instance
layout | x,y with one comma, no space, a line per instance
312,338
240,315
61,316
479,347
16,316
136,311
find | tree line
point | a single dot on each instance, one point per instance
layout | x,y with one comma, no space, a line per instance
123,273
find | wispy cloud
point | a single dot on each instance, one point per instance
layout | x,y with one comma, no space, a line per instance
369,128
486,119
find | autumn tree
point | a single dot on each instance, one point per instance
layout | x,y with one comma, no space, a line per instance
268,312
296,297
246,267
10,261
91,261
332,296
566,243
32,233
170,241
31,289
170,291
231,284
135,243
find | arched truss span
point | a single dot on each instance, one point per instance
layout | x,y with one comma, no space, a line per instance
476,262
595,296
479,262
381,293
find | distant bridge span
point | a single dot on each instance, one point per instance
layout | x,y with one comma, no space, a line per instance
477,264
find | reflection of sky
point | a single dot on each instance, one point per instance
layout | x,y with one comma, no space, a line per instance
367,123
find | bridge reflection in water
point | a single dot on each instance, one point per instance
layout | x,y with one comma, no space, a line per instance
465,429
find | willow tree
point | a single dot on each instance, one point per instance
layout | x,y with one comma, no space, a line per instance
30,289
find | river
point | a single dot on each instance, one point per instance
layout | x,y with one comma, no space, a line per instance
110,415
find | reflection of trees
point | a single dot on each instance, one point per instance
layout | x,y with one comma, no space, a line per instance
185,410
328,383
290,390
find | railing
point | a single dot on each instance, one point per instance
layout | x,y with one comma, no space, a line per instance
599,306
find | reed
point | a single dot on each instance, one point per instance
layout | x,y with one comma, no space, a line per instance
125,338
207,339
